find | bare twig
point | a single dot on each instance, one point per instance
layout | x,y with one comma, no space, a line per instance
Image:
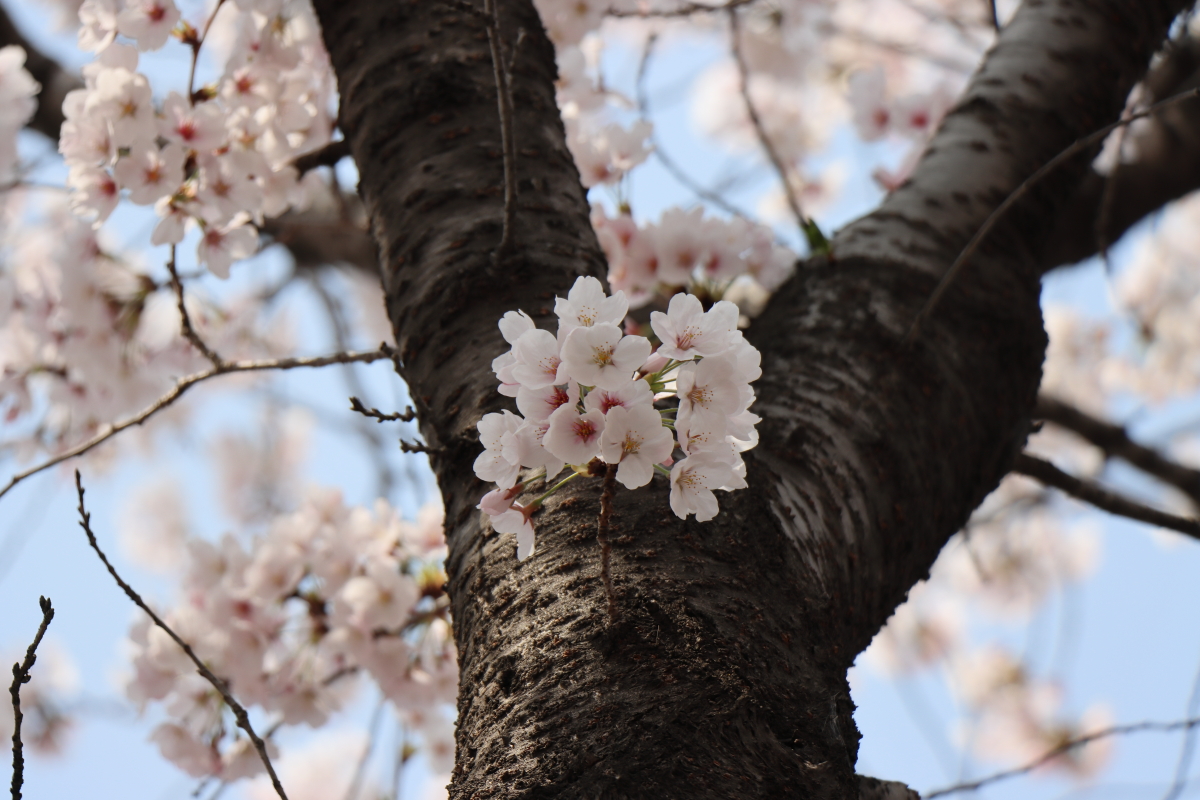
1102,498
995,16
239,711
684,10
194,41
505,107
1183,765
1115,442
1108,197
415,447
21,676
606,498
677,172
185,319
1055,752
374,413
817,243
226,368
325,156
360,769
1017,194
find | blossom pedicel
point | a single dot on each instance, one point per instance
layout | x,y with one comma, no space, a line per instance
590,392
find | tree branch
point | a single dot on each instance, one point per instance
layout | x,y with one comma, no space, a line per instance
1065,747
239,711
1102,498
1114,441
226,368
1019,193
21,677
1165,166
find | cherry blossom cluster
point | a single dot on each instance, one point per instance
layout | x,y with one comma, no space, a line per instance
689,249
594,392
86,335
290,619
217,156
18,98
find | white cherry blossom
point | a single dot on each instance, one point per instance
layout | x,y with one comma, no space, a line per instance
587,305
499,462
632,394
635,440
687,330
600,356
574,437
537,361
692,482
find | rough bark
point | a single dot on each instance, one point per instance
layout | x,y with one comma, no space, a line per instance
725,674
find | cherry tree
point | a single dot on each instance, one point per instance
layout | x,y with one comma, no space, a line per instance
808,427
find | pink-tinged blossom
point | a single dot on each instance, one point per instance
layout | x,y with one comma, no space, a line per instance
600,356
200,128
692,482
635,440
172,223
632,394
95,193
707,387
497,501
381,599
123,98
97,24
503,365
151,174
587,305
226,187
221,245
871,114
514,324
499,462
537,361
687,330
148,22
680,249
539,404
516,520
574,437
531,450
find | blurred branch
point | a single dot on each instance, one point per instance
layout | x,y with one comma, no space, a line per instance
683,10
185,319
239,711
326,156
1065,747
1063,156
21,676
1114,441
1101,497
812,234
374,413
1165,165
226,368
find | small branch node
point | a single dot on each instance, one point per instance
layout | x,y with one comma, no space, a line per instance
21,676
374,413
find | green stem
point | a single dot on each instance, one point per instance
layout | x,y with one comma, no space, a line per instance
556,487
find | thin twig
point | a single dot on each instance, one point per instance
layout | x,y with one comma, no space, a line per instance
1108,198
1020,192
817,243
504,104
1102,498
415,447
185,319
196,42
1182,767
1114,440
677,172
685,10
374,413
226,368
360,769
606,498
21,676
239,711
1055,752
995,15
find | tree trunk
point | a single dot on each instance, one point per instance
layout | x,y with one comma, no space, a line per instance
724,673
